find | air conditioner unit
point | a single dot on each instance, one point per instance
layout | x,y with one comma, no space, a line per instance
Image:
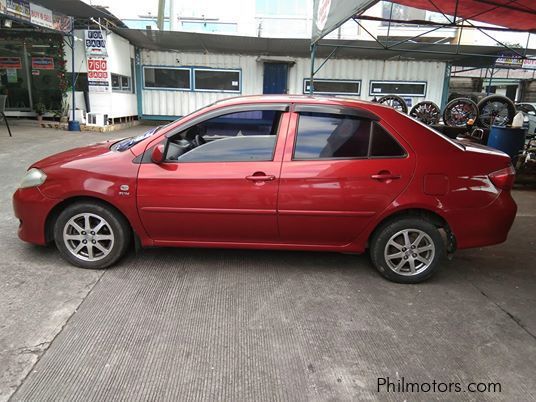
97,119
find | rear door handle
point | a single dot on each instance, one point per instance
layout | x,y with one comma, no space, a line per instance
260,176
385,176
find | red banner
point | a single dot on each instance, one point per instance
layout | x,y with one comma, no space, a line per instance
42,63
10,62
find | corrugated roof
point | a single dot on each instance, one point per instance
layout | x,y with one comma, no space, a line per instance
359,49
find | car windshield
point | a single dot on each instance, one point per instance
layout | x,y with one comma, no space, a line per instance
129,142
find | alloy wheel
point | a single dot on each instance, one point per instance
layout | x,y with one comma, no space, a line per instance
88,237
409,252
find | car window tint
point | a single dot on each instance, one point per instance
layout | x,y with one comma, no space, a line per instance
233,149
322,136
383,144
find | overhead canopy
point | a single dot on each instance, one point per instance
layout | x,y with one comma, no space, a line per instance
513,14
73,8
282,47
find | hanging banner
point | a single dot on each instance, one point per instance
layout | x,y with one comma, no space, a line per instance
95,41
98,77
330,14
12,75
41,16
10,62
62,23
42,63
509,61
529,64
19,9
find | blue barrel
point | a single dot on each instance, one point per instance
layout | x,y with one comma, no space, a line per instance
74,125
508,140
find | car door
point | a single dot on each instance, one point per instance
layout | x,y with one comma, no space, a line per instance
225,188
341,168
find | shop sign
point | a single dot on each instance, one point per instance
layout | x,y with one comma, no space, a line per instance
529,64
62,23
10,62
98,77
41,16
95,41
18,8
42,63
509,61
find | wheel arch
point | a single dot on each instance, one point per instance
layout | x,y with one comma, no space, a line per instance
55,212
418,212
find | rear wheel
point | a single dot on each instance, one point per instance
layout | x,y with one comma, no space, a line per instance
91,235
407,250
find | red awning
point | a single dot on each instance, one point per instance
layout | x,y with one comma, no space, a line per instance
514,14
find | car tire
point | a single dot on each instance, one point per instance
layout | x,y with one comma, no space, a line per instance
407,250
91,235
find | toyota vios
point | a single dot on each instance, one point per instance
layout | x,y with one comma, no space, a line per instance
278,172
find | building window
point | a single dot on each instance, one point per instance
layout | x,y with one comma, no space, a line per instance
121,83
217,80
407,88
333,87
166,78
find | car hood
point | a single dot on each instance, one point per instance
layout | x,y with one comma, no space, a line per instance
87,152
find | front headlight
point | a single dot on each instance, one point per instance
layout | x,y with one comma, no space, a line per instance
33,177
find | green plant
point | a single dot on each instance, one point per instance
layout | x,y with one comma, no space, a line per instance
40,108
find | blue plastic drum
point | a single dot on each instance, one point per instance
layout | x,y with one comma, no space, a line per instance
508,140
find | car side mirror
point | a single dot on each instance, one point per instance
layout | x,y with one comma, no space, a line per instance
157,155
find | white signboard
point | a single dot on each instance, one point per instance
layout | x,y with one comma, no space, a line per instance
529,64
41,16
95,42
98,77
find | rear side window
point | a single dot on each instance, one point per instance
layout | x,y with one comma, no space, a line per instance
324,136
383,144
334,136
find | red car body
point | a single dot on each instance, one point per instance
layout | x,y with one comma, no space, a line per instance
331,205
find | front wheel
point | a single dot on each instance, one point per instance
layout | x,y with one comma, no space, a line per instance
90,235
408,250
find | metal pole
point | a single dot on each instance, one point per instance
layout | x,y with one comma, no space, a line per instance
72,74
488,90
311,80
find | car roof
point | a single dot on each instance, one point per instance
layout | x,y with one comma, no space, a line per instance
303,99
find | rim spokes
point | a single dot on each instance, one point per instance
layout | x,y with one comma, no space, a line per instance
409,252
88,237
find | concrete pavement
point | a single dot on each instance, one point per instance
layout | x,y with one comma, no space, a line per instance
187,324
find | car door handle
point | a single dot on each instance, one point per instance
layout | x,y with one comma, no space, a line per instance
385,176
259,176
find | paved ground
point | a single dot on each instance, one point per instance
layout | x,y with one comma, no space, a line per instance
256,325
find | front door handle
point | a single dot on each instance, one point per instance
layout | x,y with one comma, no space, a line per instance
260,176
385,176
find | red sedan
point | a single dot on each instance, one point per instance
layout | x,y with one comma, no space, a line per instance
278,172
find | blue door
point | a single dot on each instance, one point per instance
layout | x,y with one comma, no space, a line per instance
275,78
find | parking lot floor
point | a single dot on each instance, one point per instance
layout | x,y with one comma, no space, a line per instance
195,324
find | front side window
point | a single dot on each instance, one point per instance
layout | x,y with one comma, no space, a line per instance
324,136
235,137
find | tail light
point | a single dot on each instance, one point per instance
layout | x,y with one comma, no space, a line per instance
504,178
